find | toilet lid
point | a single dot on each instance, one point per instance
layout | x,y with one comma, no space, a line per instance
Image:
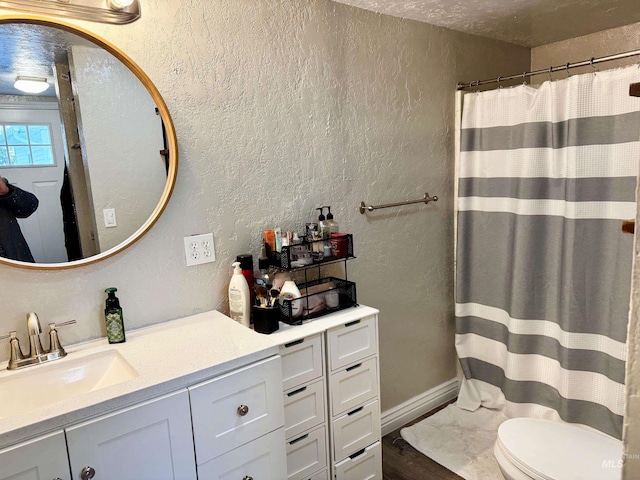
547,450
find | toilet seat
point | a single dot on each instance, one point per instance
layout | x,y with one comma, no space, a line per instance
547,450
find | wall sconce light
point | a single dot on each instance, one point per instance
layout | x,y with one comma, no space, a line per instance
103,11
31,84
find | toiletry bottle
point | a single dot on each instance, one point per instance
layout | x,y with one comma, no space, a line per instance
323,226
289,291
333,225
239,297
246,264
323,232
113,317
263,276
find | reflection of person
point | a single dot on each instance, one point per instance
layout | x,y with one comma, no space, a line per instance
14,203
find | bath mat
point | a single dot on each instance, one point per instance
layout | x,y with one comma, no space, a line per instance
459,440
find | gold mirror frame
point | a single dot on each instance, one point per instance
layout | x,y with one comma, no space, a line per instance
163,111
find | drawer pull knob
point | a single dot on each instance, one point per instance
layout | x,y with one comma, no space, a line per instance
291,344
243,410
87,473
350,324
247,477
295,392
353,367
298,439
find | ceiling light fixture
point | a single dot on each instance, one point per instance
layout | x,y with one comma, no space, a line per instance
31,84
103,11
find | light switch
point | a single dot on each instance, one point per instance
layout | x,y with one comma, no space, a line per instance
109,217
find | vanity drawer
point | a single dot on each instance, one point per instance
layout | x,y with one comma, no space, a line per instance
351,342
307,454
301,361
354,385
363,465
304,408
235,408
356,430
323,475
263,458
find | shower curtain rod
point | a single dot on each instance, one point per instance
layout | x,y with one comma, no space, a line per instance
592,61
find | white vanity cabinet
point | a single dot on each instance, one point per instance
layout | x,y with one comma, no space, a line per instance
43,458
331,391
213,414
149,441
231,426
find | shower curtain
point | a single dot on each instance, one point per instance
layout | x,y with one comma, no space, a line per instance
545,177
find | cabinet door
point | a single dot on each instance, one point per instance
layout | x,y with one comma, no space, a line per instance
41,459
150,441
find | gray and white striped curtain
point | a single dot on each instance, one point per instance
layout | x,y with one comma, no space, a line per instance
546,175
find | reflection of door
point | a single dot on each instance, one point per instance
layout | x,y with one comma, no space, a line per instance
43,230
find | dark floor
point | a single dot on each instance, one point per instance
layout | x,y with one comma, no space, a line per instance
400,461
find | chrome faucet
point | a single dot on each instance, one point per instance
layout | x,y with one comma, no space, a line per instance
37,354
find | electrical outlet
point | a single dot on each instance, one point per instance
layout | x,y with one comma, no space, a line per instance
199,249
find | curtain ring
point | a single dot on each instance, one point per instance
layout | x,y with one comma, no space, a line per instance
524,79
499,80
567,69
550,77
593,66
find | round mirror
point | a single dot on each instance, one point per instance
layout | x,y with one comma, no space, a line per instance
97,148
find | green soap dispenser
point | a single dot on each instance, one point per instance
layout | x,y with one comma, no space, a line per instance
113,317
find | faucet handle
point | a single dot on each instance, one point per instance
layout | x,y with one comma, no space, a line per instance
54,342
16,351
53,326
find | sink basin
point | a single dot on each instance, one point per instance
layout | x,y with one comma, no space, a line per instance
37,386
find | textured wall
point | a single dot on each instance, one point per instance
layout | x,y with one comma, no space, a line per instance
282,105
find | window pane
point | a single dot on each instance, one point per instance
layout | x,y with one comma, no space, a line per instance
4,156
16,134
2,140
19,155
39,135
42,155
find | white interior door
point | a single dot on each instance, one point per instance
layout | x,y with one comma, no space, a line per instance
43,230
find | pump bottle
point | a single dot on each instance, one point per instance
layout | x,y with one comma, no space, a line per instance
113,317
332,224
239,297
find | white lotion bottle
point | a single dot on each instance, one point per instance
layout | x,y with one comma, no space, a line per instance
239,297
290,292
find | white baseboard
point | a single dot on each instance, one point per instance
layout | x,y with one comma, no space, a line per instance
402,414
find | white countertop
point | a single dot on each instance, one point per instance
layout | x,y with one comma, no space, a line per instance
290,333
166,357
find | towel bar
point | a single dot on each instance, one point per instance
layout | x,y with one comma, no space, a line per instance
370,208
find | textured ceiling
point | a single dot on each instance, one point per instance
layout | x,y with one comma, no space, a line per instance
529,23
31,50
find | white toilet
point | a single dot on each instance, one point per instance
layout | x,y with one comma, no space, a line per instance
531,448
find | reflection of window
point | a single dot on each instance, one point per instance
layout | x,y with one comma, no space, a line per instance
24,145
